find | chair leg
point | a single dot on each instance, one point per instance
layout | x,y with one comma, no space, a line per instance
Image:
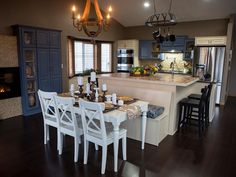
76,150
199,123
185,117
58,139
45,133
96,147
104,158
47,127
60,143
86,149
124,147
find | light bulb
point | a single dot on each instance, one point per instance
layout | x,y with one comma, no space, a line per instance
108,16
146,4
78,17
110,9
73,8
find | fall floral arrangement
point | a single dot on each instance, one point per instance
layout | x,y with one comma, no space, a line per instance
147,70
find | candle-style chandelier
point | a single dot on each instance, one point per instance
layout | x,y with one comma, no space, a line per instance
91,26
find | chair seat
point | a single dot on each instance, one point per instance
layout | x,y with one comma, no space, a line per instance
53,119
190,102
70,127
195,96
109,131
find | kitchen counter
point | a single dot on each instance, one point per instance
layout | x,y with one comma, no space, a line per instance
159,78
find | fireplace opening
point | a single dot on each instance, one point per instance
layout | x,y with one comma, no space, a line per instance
9,83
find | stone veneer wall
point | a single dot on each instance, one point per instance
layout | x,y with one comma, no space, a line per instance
8,58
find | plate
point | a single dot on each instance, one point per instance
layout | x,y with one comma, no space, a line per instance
125,98
109,106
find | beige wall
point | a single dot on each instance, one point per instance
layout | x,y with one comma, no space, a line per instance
192,29
55,14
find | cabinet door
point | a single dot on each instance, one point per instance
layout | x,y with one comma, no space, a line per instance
43,59
29,81
180,41
55,39
145,49
56,73
42,38
121,44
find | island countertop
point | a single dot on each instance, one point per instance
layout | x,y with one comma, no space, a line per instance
159,78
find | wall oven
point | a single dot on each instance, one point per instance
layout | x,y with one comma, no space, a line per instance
125,59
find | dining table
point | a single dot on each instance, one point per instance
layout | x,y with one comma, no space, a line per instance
117,116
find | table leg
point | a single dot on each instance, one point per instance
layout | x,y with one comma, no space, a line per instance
116,144
144,122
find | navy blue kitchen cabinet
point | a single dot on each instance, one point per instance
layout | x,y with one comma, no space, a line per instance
39,53
145,49
177,45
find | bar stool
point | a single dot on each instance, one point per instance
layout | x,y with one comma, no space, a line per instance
187,107
198,97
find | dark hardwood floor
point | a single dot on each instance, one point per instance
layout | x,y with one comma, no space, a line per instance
23,154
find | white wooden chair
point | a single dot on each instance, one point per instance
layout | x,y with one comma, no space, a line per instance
68,123
49,115
96,131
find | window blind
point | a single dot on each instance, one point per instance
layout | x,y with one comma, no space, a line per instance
106,57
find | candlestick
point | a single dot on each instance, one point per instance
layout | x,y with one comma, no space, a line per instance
80,80
96,94
93,77
88,89
73,12
104,87
104,95
81,91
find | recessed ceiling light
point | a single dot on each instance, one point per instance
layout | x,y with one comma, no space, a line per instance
146,4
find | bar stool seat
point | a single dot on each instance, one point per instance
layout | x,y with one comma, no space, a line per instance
195,96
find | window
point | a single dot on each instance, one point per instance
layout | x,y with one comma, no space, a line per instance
84,55
106,55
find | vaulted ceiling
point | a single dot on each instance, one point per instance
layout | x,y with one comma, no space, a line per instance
133,13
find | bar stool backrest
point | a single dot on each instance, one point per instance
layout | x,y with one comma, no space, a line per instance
203,97
209,88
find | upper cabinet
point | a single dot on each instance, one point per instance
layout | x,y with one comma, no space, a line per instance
177,45
150,49
127,44
145,49
189,46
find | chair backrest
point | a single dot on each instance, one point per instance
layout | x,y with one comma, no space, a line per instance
92,119
65,112
47,104
209,88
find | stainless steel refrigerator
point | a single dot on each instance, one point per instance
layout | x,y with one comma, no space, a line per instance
211,60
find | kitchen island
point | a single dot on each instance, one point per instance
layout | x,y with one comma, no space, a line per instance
162,89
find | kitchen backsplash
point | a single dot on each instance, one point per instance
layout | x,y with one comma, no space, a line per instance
180,65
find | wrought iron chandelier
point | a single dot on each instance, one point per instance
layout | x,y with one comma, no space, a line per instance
91,26
161,19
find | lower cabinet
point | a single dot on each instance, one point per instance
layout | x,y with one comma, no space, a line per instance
39,56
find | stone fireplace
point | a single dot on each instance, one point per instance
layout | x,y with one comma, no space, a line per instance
10,100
